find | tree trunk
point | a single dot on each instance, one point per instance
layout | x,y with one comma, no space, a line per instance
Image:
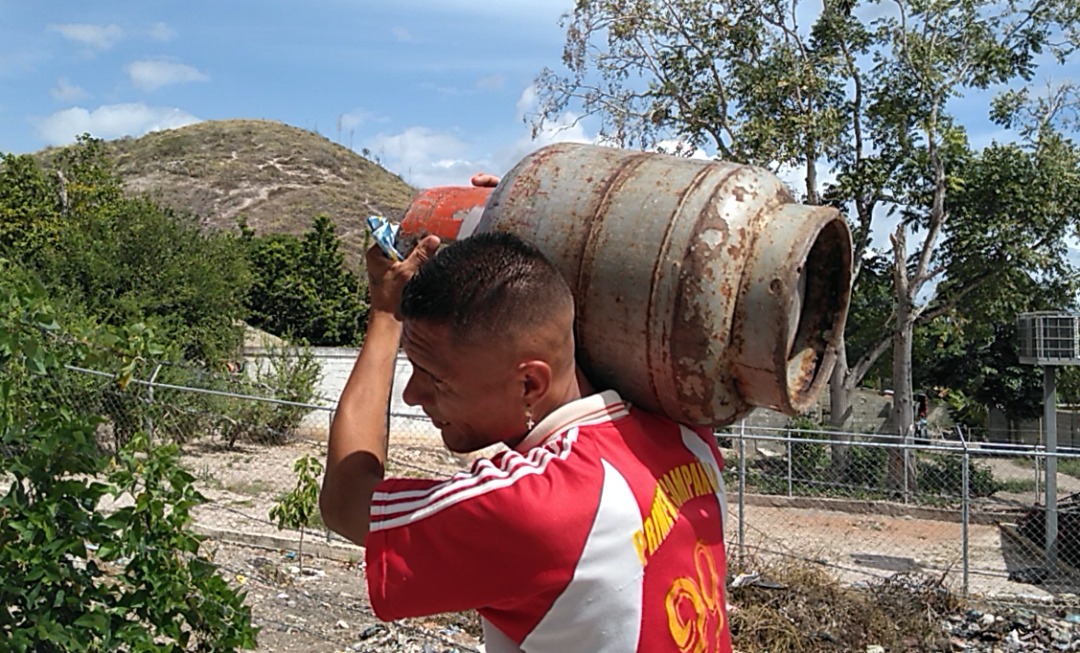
839,415
902,461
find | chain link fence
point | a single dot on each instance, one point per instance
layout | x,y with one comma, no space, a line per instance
973,515
865,506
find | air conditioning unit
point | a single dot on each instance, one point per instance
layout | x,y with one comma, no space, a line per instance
1048,338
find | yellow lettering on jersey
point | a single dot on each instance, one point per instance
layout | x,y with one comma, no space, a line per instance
687,473
639,544
679,480
695,606
650,535
674,491
677,486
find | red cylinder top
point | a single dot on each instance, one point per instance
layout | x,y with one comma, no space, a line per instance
443,211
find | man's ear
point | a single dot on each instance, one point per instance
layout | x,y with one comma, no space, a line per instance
535,376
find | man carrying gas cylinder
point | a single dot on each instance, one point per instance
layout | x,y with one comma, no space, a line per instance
598,528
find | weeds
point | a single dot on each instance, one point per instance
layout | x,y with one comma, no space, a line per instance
802,609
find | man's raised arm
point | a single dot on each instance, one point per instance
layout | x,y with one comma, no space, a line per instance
356,453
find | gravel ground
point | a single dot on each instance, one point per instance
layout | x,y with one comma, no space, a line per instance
324,608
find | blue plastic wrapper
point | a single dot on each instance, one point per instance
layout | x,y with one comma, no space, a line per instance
385,234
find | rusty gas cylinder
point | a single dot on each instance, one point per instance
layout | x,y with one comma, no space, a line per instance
702,288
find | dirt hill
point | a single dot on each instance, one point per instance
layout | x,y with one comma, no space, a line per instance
276,177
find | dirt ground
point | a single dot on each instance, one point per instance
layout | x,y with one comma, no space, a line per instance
325,608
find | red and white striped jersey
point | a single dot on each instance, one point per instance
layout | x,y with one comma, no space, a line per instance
602,531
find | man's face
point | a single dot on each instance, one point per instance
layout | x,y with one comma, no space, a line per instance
473,394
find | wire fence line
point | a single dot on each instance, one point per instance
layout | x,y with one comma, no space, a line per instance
975,513
862,505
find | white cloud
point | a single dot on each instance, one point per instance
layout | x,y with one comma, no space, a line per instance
65,91
566,128
152,74
98,37
527,102
110,121
403,35
161,32
491,82
425,157
355,118
446,91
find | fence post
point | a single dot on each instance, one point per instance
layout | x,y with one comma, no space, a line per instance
149,421
790,465
1038,481
907,467
965,508
742,489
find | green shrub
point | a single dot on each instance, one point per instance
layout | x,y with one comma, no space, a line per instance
807,458
866,467
944,475
80,575
289,374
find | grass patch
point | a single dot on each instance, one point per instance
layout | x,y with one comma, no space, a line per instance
251,487
1016,485
1070,466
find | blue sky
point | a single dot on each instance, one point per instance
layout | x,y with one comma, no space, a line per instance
436,90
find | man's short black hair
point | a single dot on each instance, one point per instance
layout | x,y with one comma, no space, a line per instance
488,285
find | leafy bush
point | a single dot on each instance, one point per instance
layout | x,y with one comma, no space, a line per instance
80,573
186,403
944,475
807,457
289,374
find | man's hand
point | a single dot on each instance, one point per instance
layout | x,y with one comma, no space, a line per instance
484,180
386,279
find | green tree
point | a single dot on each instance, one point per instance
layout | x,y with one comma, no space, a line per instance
298,507
121,259
302,289
861,88
1006,250
135,261
87,178
29,207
